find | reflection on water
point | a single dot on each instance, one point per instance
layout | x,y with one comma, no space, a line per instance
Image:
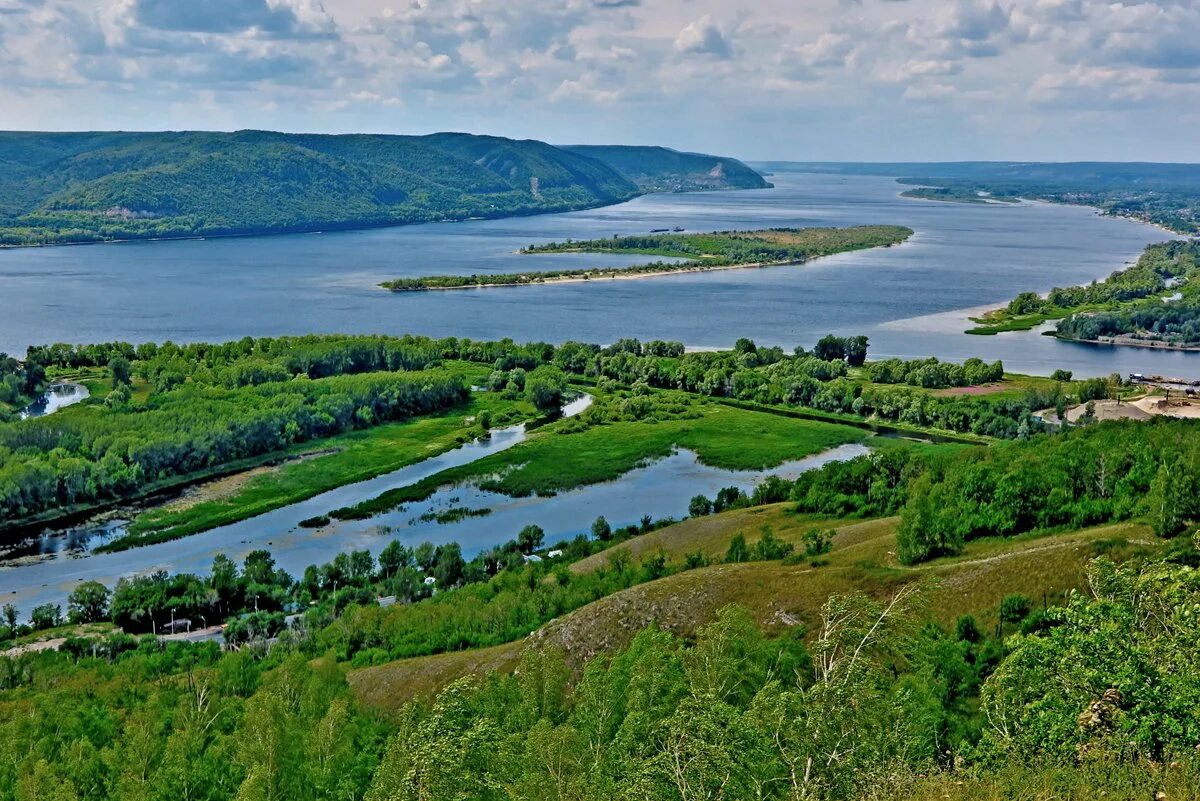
56,397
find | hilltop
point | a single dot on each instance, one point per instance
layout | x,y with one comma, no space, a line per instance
97,186
661,169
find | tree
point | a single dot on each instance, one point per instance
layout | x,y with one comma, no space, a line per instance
830,348
88,603
450,565
10,616
545,387
967,630
699,506
738,550
601,530
1014,608
121,370
46,616
856,351
817,542
393,557
1172,498
530,538
1061,375
1114,385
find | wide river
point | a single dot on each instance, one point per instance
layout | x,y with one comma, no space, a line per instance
910,300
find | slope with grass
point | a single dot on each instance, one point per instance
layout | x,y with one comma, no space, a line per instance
780,595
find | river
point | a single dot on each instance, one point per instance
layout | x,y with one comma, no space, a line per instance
909,300
45,569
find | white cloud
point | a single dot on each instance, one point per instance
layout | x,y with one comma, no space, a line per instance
816,79
705,38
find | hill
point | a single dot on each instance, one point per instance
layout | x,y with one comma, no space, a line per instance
661,169
778,594
86,187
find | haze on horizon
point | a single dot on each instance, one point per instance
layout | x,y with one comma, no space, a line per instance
776,79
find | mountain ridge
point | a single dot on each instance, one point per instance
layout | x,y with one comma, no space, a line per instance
113,185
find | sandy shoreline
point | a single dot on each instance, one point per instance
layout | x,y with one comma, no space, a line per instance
618,276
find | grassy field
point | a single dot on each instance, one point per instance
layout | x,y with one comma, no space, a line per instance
558,457
320,465
1001,321
779,595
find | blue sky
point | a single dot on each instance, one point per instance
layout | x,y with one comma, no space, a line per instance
783,79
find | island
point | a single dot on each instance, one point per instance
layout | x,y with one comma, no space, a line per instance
688,253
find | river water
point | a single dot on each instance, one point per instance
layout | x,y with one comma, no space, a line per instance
46,568
909,300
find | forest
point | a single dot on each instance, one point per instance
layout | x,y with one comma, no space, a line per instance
690,253
102,186
163,412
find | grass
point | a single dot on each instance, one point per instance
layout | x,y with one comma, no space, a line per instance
551,461
778,595
344,459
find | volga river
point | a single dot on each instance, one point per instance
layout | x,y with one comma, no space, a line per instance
909,300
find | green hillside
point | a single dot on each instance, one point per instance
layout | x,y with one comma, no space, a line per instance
88,187
661,169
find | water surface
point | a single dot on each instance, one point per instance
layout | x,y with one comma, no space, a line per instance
907,299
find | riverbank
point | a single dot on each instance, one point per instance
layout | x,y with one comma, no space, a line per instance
323,465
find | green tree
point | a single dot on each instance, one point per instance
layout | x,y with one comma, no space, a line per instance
738,551
601,530
46,616
1014,608
530,538
121,371
88,603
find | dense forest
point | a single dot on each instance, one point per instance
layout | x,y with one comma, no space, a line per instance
691,252
1163,194
87,187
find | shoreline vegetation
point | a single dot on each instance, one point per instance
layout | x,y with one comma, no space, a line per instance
175,415
700,252
1153,303
950,194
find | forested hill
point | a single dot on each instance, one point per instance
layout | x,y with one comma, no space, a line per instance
83,187
661,169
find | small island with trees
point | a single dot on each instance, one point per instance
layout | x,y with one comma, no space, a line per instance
689,252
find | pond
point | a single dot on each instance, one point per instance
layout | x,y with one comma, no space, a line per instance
56,396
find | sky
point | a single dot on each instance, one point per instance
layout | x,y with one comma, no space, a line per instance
881,80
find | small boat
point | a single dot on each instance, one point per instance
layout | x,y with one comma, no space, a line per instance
678,230
660,230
